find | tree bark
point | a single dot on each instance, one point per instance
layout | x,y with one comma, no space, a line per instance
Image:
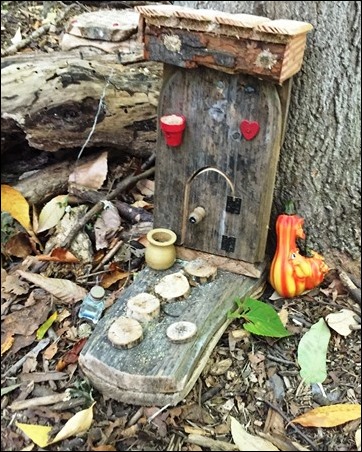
319,166
55,98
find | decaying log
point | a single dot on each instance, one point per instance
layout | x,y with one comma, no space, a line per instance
53,100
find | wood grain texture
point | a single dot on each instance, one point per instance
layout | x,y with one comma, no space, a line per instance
156,371
214,105
54,98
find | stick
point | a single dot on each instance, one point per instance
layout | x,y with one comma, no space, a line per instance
296,429
354,291
40,401
109,255
33,352
123,185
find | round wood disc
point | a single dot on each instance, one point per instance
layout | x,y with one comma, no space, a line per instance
181,331
173,287
125,332
143,307
200,271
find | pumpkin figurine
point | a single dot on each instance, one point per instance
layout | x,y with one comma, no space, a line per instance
292,273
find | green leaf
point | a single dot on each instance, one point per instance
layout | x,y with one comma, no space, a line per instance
52,212
46,325
312,353
263,319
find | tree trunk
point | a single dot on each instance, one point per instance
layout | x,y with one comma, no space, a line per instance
319,166
54,99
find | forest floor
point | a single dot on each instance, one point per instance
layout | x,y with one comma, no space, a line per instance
251,378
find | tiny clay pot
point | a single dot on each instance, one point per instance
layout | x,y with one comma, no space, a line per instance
160,252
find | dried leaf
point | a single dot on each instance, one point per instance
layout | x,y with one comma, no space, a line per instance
7,343
37,433
341,321
19,245
17,37
46,325
91,174
247,442
146,187
110,278
52,212
77,424
13,202
13,284
59,255
65,290
27,320
312,353
329,416
71,356
50,351
106,225
357,438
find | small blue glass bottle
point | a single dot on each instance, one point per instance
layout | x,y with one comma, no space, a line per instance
92,305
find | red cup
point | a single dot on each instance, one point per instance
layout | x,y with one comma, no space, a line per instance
172,127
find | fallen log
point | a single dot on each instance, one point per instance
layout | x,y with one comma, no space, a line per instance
56,99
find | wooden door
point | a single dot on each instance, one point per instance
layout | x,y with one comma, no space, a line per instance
219,165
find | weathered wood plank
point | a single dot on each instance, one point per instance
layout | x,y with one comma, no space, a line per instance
232,43
54,100
215,104
157,371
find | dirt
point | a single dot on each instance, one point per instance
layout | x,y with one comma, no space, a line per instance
252,378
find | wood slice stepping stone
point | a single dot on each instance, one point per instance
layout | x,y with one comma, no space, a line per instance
181,331
173,287
200,272
158,371
105,25
125,333
144,307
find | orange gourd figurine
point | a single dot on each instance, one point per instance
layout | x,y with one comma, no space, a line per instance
292,273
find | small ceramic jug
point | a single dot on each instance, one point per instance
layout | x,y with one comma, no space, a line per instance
160,252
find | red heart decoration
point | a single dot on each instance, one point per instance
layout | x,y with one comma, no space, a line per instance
249,129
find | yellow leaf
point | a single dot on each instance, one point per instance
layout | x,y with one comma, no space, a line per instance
46,325
13,201
77,424
37,433
8,342
329,416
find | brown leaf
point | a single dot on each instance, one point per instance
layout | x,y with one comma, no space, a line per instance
71,356
329,416
59,255
13,284
27,320
105,447
110,278
19,245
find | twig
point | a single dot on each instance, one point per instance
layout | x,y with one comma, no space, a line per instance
280,360
296,429
354,291
33,352
109,255
123,185
36,34
40,401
